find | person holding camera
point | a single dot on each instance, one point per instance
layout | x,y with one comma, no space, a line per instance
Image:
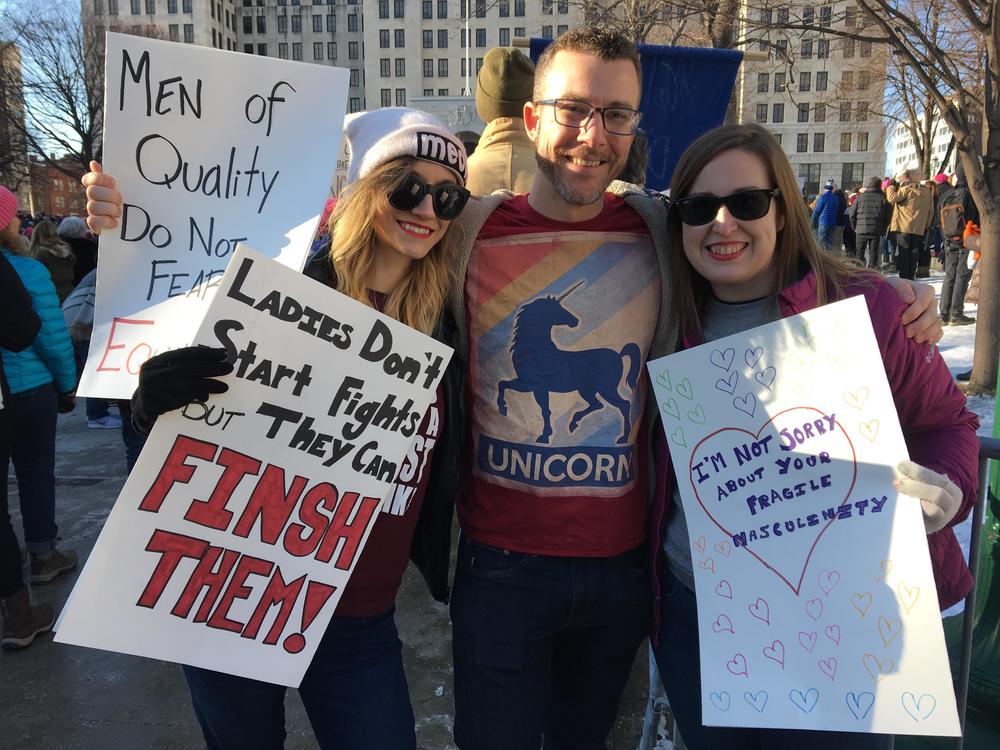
913,204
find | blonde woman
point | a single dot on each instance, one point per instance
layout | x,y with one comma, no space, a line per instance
390,250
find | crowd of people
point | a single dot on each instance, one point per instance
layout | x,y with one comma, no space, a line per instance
556,585
900,224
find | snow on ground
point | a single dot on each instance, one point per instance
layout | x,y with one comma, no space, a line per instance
956,348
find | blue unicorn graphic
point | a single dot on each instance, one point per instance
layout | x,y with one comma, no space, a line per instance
543,368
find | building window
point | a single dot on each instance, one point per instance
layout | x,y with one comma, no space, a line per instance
819,113
809,176
847,80
185,6
400,67
247,24
137,8
283,50
779,82
463,68
803,112
189,33
443,67
352,22
547,7
247,48
151,7
442,38
563,7
845,111
383,67
442,8
427,9
778,112
262,50
783,15
546,32
861,113
763,82
825,16
175,32
519,31
850,17
805,81
777,137
400,97
504,8
479,65
561,29
806,50
331,50
823,48
397,9
318,24
808,15
782,47
865,49
427,39
383,38
504,37
442,92
480,8
480,37
863,141
847,48
852,174
296,50
352,50
398,38
864,79
317,50
819,142
802,143
385,95
465,42
845,141
821,80
428,92
296,24
261,25
761,113
518,7
282,24
355,104
331,22
355,77
171,6
429,68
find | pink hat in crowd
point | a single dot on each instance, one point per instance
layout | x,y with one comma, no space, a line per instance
8,207
939,178
886,183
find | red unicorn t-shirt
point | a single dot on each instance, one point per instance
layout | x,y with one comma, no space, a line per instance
560,317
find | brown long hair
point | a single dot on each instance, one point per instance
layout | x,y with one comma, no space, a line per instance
795,252
418,299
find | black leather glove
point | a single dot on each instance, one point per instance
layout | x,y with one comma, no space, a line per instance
66,402
176,378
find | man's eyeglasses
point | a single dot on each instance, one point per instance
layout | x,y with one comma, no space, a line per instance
745,205
574,114
448,199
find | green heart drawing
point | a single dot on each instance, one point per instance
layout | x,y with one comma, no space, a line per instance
697,415
684,389
670,407
664,379
678,437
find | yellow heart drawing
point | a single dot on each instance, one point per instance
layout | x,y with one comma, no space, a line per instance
858,398
886,566
908,596
862,602
888,628
877,669
869,429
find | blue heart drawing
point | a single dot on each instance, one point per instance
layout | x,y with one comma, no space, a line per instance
728,384
765,377
806,701
860,704
752,356
747,404
720,700
756,700
723,360
919,708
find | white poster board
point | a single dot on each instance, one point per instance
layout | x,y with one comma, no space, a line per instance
232,539
209,148
816,601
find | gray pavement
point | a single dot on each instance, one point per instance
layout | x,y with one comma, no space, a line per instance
58,696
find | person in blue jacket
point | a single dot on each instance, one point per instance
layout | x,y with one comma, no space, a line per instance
826,214
42,379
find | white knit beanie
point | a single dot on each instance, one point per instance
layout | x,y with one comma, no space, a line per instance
384,134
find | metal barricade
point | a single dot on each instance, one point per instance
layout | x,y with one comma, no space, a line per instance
989,449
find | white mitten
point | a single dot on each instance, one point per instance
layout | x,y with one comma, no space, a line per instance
939,497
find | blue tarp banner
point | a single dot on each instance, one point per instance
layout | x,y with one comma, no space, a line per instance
685,92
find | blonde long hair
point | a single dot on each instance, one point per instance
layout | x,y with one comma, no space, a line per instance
795,252
418,299
45,241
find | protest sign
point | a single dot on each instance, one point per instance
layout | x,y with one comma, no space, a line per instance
232,539
817,607
209,148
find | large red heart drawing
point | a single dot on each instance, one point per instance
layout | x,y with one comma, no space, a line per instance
732,517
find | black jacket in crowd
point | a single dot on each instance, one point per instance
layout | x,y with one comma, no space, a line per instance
18,322
870,213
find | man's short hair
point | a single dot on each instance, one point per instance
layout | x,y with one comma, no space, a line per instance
604,44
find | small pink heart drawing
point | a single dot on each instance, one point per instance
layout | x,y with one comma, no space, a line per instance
814,608
828,667
760,610
738,666
700,545
724,548
828,579
733,519
724,589
723,623
807,640
833,633
776,652
707,564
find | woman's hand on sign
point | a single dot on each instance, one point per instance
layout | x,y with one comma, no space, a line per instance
104,203
176,378
920,319
939,497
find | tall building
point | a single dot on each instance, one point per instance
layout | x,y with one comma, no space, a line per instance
902,151
819,95
14,167
210,23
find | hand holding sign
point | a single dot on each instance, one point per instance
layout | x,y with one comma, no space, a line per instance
177,378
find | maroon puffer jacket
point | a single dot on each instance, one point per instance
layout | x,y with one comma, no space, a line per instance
940,432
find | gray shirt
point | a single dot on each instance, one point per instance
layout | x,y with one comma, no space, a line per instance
719,319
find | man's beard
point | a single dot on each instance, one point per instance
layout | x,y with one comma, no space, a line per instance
554,175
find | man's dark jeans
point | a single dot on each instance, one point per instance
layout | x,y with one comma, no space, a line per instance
909,246
33,454
543,646
956,279
10,555
867,249
354,692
